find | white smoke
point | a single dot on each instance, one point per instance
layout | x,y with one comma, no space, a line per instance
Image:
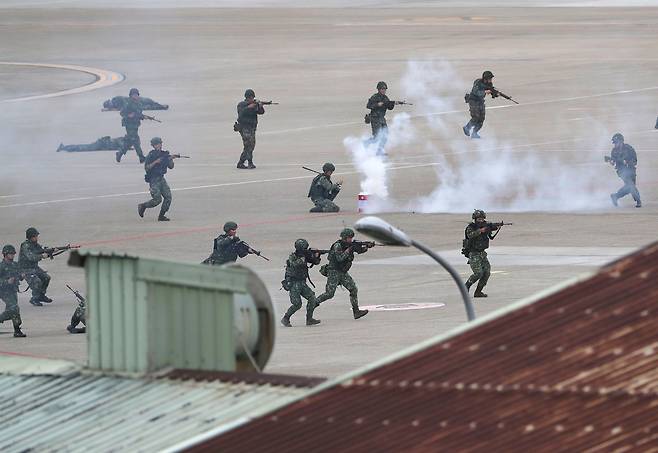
489,173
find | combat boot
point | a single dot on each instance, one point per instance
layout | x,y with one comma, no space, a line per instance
613,198
118,156
140,210
359,313
315,209
45,299
312,322
19,334
286,321
251,165
163,218
475,135
467,130
638,204
479,293
34,301
241,165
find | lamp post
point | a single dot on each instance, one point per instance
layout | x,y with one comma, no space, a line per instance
386,233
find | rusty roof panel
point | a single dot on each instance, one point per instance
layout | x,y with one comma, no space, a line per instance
576,370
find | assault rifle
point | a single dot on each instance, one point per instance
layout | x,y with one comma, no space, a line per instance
256,101
313,255
152,118
248,249
52,252
178,156
362,246
401,103
77,294
496,226
495,92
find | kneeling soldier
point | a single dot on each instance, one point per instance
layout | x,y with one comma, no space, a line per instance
322,191
10,276
28,261
295,281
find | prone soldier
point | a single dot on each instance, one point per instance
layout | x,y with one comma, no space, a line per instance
157,163
248,111
624,158
102,144
341,256
323,191
295,281
10,276
131,119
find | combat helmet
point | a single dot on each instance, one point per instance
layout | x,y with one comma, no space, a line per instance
301,245
7,249
133,91
382,85
328,167
31,232
230,226
479,213
156,141
487,75
617,138
347,232
249,93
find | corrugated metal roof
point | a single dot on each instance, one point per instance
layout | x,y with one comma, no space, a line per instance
575,370
93,412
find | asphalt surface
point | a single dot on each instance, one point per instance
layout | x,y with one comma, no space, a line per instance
580,75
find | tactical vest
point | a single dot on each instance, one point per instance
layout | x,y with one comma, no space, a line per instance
316,191
336,265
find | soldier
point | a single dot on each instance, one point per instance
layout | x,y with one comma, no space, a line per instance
341,256
225,248
131,118
295,281
624,159
118,102
157,163
478,234
79,315
323,192
102,144
378,104
28,261
481,87
10,276
248,111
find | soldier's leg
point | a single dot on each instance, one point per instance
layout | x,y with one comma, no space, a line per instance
137,144
486,272
156,195
333,280
295,302
327,205
246,146
350,285
12,312
166,195
478,119
476,266
311,302
125,144
250,149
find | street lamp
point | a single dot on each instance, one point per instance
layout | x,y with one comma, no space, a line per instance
386,233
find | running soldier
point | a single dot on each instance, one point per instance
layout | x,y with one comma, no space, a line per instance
295,281
341,256
10,276
248,111
323,192
624,158
475,100
157,163
378,104
131,119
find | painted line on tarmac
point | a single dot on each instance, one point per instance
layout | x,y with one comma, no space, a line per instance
207,186
448,112
104,78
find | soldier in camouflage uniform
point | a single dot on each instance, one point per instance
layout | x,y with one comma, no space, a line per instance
248,111
79,316
31,253
118,102
225,247
295,282
131,119
340,262
624,158
481,87
102,144
323,192
10,276
157,163
478,234
378,104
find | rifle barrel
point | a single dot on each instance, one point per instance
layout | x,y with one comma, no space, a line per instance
311,170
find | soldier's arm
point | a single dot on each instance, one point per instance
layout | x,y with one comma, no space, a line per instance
341,255
328,185
372,103
32,255
390,104
170,164
631,157
473,232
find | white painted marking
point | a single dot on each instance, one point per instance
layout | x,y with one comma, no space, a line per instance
402,307
104,79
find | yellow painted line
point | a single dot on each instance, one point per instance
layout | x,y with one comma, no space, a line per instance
104,78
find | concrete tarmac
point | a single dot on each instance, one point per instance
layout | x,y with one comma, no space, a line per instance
580,75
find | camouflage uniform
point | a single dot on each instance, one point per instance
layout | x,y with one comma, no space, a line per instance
118,102
225,250
296,276
9,293
477,257
158,186
625,160
476,105
79,316
248,121
378,119
102,144
132,128
322,193
340,262
28,262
